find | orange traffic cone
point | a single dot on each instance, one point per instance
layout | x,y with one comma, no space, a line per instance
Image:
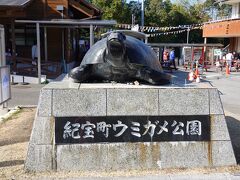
198,79
196,72
190,76
227,70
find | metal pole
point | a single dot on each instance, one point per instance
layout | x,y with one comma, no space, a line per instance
142,14
63,54
45,44
188,30
63,47
91,36
39,53
3,62
13,45
192,51
146,40
132,20
204,50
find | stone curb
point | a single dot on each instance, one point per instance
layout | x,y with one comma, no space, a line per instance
199,176
9,113
217,76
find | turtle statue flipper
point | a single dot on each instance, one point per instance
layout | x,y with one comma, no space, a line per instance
81,73
151,76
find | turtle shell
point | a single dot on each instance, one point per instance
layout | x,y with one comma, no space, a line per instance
137,53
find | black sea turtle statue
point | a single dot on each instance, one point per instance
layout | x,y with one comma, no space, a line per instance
120,58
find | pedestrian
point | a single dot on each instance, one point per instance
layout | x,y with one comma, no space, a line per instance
165,62
34,53
229,58
8,55
172,59
165,56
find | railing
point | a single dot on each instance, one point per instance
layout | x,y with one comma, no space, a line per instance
25,66
224,18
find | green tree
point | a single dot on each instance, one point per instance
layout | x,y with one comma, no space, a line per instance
160,13
217,9
156,12
179,15
135,9
114,9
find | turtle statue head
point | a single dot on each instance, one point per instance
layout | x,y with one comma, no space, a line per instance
116,47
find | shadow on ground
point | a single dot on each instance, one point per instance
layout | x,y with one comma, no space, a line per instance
13,141
234,132
11,163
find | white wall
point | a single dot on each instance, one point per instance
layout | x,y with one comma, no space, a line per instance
2,47
238,44
235,10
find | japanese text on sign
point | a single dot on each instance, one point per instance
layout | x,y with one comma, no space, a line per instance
131,129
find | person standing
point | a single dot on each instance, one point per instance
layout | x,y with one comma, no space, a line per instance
8,55
34,53
229,58
165,56
172,58
165,59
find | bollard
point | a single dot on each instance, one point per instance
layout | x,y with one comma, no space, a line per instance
12,82
23,81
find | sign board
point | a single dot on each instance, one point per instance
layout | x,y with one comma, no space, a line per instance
156,50
217,52
5,84
197,54
187,54
135,28
109,129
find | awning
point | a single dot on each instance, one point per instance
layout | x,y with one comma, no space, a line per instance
135,34
70,22
185,45
84,7
14,3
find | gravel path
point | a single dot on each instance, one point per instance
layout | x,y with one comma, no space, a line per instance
14,137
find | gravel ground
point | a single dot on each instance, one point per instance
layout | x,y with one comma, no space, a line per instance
15,134
14,137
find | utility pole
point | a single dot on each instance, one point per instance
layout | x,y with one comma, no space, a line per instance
133,20
142,14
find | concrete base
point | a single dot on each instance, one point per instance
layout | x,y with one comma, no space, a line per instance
69,99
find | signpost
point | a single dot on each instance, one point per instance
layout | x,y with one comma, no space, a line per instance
217,52
5,92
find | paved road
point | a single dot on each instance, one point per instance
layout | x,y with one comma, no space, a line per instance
229,90
24,95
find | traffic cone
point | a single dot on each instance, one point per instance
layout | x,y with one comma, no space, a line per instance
227,70
196,72
190,76
198,79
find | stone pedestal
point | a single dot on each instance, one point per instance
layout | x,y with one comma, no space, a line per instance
65,99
